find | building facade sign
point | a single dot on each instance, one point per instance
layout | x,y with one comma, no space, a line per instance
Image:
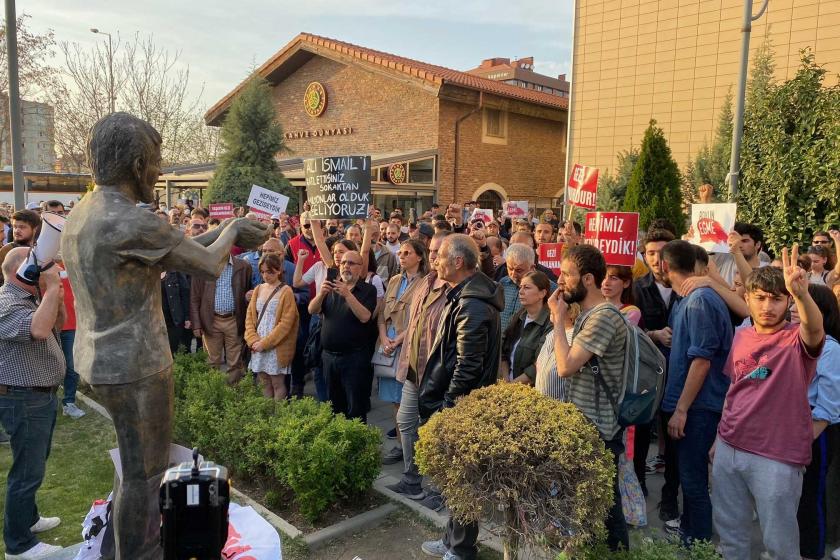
318,132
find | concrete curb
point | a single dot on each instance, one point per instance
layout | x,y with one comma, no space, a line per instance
275,520
354,524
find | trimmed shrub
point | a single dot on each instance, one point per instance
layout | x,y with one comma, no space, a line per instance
507,447
300,445
648,550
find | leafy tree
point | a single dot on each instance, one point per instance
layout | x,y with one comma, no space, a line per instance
711,165
613,185
251,138
654,187
791,153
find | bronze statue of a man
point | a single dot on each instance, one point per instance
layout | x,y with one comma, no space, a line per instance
114,253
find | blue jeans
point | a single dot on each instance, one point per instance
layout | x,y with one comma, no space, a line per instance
321,392
693,464
29,418
71,378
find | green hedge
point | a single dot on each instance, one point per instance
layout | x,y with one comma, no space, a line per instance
299,445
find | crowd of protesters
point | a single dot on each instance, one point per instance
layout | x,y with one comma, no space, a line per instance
425,310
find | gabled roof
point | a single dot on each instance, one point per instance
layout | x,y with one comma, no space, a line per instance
430,73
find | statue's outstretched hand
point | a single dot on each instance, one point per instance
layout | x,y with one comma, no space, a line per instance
250,234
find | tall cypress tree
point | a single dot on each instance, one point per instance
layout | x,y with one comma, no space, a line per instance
251,138
654,187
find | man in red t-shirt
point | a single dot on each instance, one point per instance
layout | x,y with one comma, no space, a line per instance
68,336
765,433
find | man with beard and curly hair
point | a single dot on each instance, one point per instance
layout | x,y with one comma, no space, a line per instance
598,344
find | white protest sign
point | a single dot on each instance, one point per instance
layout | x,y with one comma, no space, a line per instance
482,213
266,201
711,224
516,209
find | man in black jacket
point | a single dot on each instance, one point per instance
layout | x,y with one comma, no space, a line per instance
655,301
176,309
464,356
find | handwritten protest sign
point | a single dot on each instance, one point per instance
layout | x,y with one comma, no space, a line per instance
516,209
221,210
583,186
482,213
615,234
338,187
551,254
266,201
711,224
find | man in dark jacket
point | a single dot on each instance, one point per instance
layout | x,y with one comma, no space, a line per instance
176,309
655,301
464,356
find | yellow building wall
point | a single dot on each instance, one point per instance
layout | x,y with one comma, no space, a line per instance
675,60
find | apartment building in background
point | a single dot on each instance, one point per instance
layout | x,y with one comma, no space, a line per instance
521,73
38,135
675,61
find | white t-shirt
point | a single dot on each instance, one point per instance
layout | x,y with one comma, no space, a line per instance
726,266
665,292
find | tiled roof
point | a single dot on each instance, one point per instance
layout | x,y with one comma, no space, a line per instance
437,75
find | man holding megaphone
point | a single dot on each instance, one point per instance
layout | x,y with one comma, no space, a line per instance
31,368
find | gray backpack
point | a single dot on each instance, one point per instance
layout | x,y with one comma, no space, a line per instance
638,399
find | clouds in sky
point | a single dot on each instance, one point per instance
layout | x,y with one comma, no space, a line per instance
222,41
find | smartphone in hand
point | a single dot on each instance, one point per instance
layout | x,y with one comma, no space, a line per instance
332,274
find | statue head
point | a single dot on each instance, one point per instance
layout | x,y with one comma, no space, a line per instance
123,150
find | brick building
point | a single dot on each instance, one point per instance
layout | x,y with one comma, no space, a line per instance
521,73
434,134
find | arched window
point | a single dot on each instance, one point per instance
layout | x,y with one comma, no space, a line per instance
491,200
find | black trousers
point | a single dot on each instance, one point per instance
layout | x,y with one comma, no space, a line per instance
671,488
178,336
812,505
616,525
348,389
461,539
641,446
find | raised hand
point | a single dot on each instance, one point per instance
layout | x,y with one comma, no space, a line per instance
734,242
796,279
835,235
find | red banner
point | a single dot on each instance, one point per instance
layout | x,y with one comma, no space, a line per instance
550,255
615,234
221,210
583,187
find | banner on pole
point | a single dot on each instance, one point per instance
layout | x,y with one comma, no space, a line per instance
266,201
551,255
711,224
615,234
583,187
338,187
221,210
516,209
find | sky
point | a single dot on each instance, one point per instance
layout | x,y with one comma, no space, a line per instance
222,40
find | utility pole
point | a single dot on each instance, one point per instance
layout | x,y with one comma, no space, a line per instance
110,68
738,129
15,123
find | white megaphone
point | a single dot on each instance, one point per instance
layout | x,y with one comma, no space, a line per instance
45,249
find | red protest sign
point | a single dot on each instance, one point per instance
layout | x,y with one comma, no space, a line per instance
550,256
221,210
583,186
615,234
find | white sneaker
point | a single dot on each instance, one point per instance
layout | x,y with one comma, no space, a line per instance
45,524
40,550
73,411
836,554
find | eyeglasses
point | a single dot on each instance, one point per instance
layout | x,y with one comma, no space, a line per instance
820,242
350,263
198,226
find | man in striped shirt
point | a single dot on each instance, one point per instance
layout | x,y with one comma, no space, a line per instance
598,343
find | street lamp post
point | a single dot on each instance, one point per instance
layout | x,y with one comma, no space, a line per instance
738,128
110,68
18,185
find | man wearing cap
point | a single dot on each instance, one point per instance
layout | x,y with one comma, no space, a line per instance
25,224
424,233
31,368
